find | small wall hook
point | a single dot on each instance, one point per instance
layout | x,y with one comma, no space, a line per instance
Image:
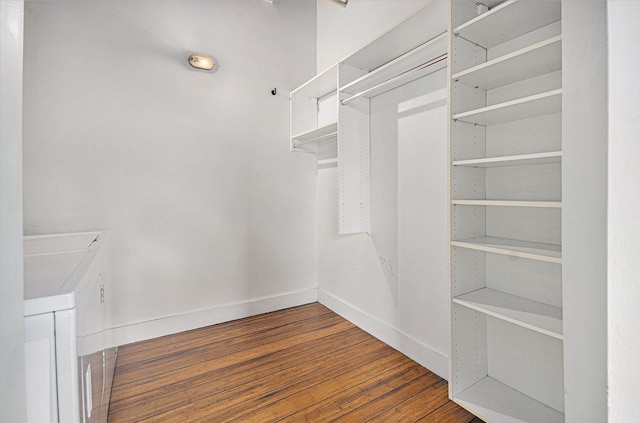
274,91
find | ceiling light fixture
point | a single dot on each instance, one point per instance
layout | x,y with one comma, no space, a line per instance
200,61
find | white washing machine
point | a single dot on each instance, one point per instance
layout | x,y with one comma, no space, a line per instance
66,315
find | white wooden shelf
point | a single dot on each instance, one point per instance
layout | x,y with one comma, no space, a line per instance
508,203
327,161
424,24
304,108
534,60
536,105
507,21
494,401
524,249
539,317
388,60
327,131
404,69
320,85
516,160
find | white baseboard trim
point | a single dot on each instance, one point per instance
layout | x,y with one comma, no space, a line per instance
182,322
401,341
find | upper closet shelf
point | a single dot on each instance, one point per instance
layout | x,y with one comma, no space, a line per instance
507,21
537,59
522,108
517,160
539,317
425,24
511,247
427,58
318,134
319,86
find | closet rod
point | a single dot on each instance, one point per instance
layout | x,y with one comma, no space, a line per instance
397,78
320,138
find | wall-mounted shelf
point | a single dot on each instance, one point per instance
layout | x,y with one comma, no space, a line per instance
539,317
424,59
423,25
413,48
420,71
324,132
516,160
319,86
309,124
511,247
531,61
508,20
495,402
536,105
508,203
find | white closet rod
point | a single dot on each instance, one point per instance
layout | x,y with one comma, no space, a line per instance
320,138
397,78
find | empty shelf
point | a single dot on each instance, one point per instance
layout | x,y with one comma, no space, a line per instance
327,161
530,250
509,20
517,160
402,79
522,108
494,401
322,84
314,135
542,318
534,60
426,23
416,57
508,203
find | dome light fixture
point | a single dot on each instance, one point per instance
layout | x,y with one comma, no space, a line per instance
200,61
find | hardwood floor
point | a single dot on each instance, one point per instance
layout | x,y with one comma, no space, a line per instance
303,364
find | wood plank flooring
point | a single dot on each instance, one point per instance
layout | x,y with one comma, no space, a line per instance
304,364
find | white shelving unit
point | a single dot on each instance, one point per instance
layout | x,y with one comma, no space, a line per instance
412,49
330,112
417,63
506,200
313,113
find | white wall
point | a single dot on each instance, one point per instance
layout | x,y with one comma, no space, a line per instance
412,313
624,204
212,215
12,383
